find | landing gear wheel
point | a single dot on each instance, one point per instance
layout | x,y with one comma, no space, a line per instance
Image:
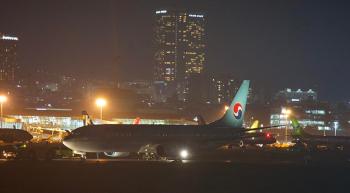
241,144
83,157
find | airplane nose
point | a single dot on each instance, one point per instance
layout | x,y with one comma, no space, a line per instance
29,137
67,144
67,141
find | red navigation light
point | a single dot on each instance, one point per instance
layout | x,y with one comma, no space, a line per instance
268,135
137,121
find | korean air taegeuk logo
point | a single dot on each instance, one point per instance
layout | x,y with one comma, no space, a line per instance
237,111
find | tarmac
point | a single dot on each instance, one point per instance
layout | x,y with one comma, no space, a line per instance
247,171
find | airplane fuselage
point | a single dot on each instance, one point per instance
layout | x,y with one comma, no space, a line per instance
14,135
129,138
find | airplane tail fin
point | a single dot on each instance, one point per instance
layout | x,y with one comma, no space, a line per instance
297,128
255,125
86,118
235,113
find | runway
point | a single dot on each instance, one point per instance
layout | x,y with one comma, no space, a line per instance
237,171
156,176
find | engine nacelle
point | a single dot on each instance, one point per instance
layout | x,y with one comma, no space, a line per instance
116,154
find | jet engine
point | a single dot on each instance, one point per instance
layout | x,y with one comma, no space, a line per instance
116,154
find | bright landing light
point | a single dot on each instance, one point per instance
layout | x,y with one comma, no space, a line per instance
184,154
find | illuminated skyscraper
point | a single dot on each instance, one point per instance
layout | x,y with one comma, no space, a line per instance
165,43
180,48
8,57
180,45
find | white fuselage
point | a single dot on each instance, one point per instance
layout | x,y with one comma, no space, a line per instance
129,138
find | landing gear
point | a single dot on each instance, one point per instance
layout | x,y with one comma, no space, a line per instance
241,144
149,156
152,152
81,154
83,157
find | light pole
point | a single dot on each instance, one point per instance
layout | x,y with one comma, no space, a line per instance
100,102
2,100
286,113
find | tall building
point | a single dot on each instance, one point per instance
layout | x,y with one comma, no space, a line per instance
8,58
222,89
310,113
180,47
296,96
165,45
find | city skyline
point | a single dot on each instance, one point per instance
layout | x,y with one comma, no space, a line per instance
281,45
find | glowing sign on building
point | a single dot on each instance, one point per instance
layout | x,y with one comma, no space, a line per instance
161,11
193,15
9,38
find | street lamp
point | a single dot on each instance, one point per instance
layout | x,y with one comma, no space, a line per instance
100,102
2,100
286,112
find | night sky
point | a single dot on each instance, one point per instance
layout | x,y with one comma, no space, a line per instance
278,44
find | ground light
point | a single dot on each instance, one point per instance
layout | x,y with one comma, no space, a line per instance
184,154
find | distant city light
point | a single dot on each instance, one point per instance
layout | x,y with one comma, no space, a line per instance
286,112
49,109
9,38
193,15
161,11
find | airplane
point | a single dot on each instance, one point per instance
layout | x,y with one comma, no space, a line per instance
254,138
13,136
258,138
117,140
312,141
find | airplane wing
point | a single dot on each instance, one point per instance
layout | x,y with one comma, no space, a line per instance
243,130
261,128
